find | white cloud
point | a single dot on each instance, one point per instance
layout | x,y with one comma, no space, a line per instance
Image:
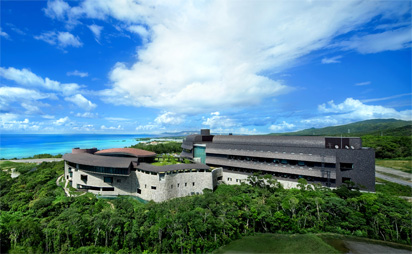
140,30
330,60
67,39
356,110
148,127
208,56
28,78
81,102
281,127
56,9
119,127
61,121
387,98
87,115
9,122
116,119
389,40
62,39
363,83
77,73
96,30
169,118
218,121
4,34
26,98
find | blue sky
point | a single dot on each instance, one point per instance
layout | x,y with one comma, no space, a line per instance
245,67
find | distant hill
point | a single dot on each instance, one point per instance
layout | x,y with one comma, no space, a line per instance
385,127
180,133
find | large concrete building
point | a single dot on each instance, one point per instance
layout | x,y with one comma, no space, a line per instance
329,161
128,171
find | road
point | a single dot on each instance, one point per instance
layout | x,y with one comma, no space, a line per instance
395,172
37,161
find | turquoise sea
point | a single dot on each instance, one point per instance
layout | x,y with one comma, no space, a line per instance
26,145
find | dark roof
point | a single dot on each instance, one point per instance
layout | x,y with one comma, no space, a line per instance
97,160
166,168
294,141
126,151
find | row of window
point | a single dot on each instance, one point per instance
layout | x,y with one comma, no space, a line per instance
139,191
106,170
86,187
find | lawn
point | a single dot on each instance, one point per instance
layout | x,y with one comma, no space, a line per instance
403,165
278,243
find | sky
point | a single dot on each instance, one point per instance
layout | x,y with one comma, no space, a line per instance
244,67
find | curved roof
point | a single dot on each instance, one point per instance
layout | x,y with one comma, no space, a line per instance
294,141
133,152
99,161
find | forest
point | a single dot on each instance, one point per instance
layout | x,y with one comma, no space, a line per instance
164,147
36,216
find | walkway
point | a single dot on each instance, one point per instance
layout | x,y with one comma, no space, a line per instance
37,161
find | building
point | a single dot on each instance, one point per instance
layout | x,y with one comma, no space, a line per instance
129,171
329,161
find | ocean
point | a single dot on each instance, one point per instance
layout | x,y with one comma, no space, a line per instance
26,145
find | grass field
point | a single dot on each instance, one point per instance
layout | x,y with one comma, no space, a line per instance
278,243
391,188
403,165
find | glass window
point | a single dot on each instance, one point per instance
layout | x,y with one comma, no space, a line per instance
108,179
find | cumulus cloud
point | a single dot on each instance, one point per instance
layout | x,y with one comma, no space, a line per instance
56,9
218,121
28,78
169,118
77,73
61,121
356,110
26,98
96,30
61,39
281,127
115,119
81,102
87,115
331,60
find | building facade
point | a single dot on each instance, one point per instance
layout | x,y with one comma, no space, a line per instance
128,171
329,161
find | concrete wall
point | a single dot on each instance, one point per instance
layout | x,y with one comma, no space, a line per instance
157,187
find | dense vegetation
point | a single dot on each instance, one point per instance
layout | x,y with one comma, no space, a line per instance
36,216
389,147
165,147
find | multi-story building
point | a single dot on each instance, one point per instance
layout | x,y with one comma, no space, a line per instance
129,171
330,161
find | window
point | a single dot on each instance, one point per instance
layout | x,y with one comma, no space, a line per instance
145,186
171,186
108,179
83,178
346,166
185,184
219,178
139,191
118,180
193,183
67,176
153,187
178,185
107,189
71,174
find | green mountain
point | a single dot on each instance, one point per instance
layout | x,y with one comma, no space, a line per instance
384,127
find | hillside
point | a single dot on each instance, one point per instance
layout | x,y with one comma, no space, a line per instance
385,127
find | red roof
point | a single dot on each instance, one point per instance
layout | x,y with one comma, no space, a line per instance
126,151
